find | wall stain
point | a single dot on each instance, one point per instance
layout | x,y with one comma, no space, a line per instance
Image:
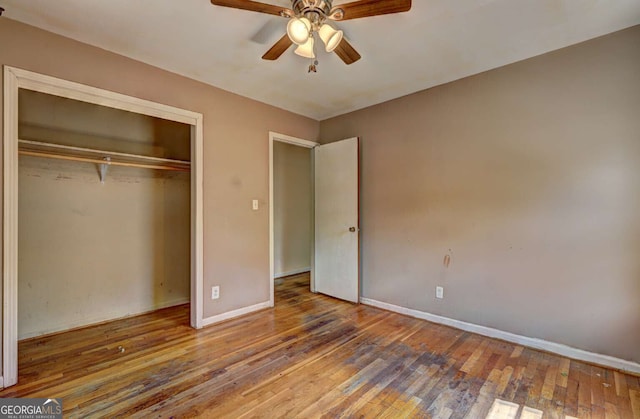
447,261
236,182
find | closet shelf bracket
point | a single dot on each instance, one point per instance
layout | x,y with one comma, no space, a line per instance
103,168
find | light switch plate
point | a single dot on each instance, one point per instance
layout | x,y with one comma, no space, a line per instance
254,204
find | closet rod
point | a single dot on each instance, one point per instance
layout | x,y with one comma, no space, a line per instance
101,152
99,161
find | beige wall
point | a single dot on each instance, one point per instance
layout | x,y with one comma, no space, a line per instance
292,208
236,239
528,178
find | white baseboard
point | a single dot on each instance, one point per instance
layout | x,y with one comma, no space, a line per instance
294,272
557,348
235,313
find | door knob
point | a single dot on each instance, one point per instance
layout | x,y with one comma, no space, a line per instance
352,229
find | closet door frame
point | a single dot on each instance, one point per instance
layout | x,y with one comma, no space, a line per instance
15,79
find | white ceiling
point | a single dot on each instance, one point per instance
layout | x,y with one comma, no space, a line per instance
436,42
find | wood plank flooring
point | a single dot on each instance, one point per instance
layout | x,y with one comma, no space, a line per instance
310,356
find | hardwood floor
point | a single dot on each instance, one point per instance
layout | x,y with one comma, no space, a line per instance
310,356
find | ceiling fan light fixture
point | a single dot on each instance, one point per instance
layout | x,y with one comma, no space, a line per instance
306,49
330,36
299,29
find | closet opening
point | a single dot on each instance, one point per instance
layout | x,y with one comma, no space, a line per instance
103,214
102,208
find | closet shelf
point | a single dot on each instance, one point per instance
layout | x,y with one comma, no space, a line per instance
102,157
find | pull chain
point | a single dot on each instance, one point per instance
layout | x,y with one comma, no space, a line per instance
313,66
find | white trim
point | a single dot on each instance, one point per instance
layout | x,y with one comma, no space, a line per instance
197,223
274,136
10,231
235,313
14,79
557,348
72,90
292,140
293,272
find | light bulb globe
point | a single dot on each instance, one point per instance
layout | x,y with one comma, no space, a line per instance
306,49
330,36
298,30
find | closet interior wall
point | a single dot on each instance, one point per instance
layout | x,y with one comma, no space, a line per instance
92,251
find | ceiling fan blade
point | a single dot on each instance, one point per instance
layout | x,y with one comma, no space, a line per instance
278,48
254,6
346,52
366,8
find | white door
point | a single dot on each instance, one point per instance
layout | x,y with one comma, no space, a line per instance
336,220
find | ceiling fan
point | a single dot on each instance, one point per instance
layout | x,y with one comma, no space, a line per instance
308,19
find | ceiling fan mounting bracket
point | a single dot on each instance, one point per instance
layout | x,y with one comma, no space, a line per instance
317,11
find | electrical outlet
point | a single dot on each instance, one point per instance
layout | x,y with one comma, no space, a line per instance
440,292
215,292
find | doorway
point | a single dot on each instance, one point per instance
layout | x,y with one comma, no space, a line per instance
16,79
279,251
335,236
